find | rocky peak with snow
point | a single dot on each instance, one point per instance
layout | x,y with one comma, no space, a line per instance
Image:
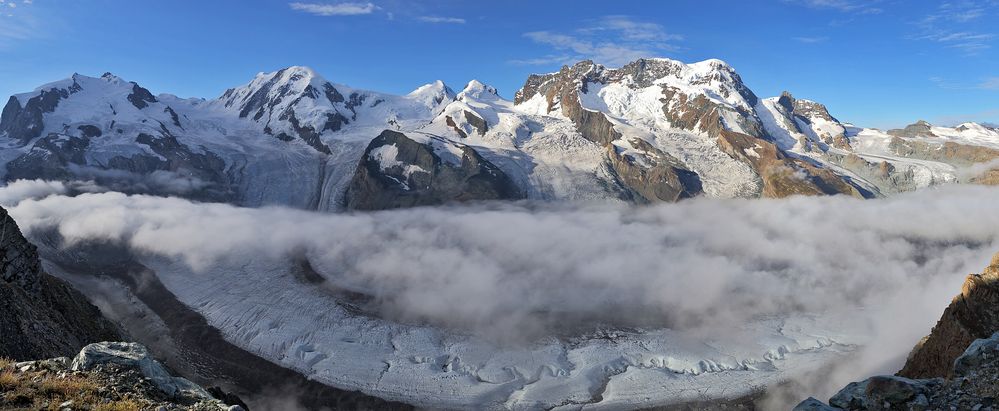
478,91
435,95
920,128
291,103
83,105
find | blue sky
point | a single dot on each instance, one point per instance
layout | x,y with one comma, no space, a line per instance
880,63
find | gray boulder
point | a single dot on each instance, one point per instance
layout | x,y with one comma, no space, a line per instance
978,353
136,356
812,404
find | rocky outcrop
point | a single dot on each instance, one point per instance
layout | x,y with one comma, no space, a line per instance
477,123
49,158
398,171
105,376
25,123
918,129
973,385
140,97
972,314
175,169
561,91
651,175
276,101
949,152
886,177
956,367
690,112
812,118
725,113
781,174
137,357
42,315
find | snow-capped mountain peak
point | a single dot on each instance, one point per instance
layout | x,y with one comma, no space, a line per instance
478,91
433,95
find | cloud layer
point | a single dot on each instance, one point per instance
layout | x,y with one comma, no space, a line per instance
705,266
692,264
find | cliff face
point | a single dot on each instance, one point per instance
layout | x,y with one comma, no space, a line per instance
42,315
955,367
974,313
398,171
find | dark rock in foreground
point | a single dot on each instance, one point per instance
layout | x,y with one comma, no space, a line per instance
956,367
42,316
103,376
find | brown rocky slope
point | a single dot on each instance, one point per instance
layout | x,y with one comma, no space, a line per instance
955,367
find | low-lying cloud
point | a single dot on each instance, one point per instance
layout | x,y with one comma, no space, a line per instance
702,265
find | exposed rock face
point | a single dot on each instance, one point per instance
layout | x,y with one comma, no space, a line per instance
140,97
806,114
973,385
24,123
782,175
918,129
956,367
107,376
738,130
276,101
561,90
135,356
884,175
972,314
62,157
397,171
652,176
477,122
42,315
947,152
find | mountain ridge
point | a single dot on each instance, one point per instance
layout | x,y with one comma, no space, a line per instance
586,131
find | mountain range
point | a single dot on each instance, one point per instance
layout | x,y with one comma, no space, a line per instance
654,130
264,313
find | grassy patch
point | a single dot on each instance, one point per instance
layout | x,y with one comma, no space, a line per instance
121,405
9,380
68,387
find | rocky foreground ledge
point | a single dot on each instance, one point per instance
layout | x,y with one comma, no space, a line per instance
106,376
938,375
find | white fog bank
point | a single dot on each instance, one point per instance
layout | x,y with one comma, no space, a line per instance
705,292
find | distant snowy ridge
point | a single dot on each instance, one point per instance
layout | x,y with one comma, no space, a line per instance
652,130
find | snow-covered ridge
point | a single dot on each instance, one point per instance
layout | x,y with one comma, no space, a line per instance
295,119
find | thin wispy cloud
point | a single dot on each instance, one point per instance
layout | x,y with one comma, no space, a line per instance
810,40
17,25
334,9
939,26
441,20
845,6
988,83
991,83
611,40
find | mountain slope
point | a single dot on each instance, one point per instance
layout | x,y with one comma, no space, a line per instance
42,315
652,130
955,367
